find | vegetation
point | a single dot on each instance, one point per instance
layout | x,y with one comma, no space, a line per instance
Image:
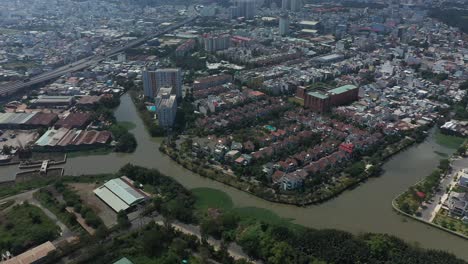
23,227
155,244
89,152
173,200
410,201
457,225
448,141
455,17
126,141
211,198
147,117
277,243
49,201
127,125
434,77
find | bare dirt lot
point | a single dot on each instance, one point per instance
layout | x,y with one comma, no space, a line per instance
17,138
85,191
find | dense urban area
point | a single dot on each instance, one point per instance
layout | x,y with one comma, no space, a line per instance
293,103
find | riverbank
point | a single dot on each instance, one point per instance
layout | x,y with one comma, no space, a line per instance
367,208
425,200
399,211
269,194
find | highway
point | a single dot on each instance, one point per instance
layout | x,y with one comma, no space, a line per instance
13,87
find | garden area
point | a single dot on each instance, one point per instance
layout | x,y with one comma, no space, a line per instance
25,226
448,141
410,201
446,221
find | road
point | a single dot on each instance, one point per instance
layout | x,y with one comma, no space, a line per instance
11,88
442,195
66,233
233,249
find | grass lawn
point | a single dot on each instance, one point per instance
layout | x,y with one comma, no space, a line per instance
127,124
448,141
91,152
25,226
212,198
262,214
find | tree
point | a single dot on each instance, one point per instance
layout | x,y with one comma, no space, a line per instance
281,253
6,149
356,169
122,220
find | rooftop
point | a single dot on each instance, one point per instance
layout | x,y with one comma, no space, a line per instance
318,95
343,89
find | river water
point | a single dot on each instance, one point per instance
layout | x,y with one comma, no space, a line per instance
366,208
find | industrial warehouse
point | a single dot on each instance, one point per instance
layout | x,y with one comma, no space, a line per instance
27,120
70,139
120,194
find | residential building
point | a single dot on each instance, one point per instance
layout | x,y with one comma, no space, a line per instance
321,101
284,25
149,84
244,8
170,77
212,43
166,108
211,81
296,5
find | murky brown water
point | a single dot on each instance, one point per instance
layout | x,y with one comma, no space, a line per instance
366,208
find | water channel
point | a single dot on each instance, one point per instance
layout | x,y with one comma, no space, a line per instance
367,208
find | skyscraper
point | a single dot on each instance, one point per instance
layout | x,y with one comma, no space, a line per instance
166,105
213,43
296,5
149,84
285,4
169,77
284,25
244,8
154,80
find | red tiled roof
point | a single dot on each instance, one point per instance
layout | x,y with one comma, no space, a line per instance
74,120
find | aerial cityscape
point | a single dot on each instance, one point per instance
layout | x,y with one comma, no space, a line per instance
233,131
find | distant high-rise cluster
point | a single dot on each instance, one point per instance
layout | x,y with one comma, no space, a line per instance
244,8
293,5
212,43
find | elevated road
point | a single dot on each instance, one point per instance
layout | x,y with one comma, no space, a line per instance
14,87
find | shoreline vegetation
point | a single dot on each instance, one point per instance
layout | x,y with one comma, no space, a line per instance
267,193
408,202
261,234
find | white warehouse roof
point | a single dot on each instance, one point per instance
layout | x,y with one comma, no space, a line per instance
119,194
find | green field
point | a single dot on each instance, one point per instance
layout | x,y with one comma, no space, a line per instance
23,227
262,214
127,124
211,198
448,141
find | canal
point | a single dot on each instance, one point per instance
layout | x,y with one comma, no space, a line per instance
366,208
